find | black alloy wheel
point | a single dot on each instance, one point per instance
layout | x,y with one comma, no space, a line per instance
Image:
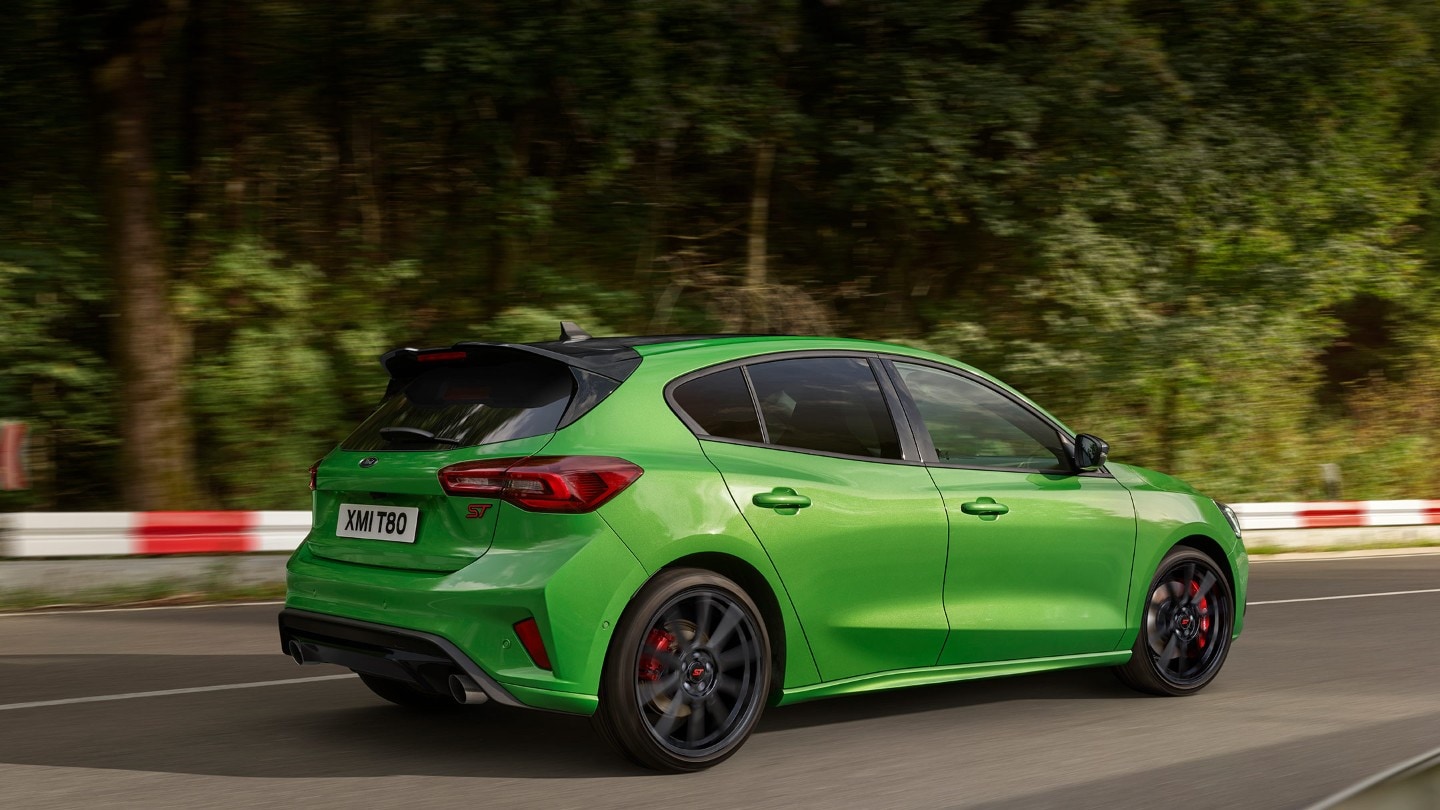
687,674
1185,632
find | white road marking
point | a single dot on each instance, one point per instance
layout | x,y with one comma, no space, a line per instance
35,704
1346,596
59,611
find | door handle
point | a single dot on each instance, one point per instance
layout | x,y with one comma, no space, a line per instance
783,500
986,508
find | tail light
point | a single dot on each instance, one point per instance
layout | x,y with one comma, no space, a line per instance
569,484
529,634
314,471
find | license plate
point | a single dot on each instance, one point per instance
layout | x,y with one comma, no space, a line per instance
393,523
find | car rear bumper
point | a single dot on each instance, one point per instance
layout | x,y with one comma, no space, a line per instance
422,660
569,573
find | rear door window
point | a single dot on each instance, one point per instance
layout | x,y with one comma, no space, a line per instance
467,405
825,404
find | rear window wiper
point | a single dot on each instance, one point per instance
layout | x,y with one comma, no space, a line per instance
412,434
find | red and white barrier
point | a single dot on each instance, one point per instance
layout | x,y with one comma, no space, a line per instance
87,534
95,534
1336,514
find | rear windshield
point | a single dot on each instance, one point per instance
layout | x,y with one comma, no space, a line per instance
463,406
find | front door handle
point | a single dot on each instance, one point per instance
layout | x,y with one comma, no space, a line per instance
783,500
986,508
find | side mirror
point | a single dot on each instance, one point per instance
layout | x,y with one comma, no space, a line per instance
1090,451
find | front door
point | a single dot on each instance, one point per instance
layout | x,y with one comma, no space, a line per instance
1040,556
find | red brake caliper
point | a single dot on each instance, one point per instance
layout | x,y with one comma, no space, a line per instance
650,667
1204,614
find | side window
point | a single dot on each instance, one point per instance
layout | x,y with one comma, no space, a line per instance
974,425
828,404
720,403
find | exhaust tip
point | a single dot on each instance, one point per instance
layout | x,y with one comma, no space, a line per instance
464,690
297,653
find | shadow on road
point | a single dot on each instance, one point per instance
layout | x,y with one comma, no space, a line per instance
338,729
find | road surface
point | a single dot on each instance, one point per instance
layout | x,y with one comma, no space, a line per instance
1319,693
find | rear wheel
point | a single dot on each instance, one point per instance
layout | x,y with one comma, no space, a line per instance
687,673
1185,632
403,694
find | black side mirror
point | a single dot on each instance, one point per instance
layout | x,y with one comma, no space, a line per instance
1090,451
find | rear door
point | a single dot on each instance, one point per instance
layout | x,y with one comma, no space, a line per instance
856,530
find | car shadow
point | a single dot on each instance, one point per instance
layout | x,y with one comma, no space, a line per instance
337,728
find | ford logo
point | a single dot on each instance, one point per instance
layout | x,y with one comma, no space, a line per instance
368,462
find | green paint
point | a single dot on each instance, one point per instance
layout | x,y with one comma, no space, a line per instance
879,573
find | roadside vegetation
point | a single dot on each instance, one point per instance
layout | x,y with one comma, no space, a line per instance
1205,230
155,594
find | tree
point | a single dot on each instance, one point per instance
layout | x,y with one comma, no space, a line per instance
157,457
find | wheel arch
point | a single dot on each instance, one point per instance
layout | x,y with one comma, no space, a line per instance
1212,549
1152,550
758,587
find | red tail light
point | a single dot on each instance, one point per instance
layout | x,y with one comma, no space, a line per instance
314,471
529,634
568,484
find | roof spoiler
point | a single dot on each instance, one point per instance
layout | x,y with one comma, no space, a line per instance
575,348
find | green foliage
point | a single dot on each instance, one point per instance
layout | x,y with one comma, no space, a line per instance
53,381
264,391
1156,218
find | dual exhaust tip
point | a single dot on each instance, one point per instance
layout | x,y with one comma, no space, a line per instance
463,688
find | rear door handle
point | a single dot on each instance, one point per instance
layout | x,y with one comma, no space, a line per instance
783,500
986,508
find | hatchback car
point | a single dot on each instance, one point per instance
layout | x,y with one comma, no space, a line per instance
671,533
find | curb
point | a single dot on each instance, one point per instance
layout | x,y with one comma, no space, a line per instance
1412,785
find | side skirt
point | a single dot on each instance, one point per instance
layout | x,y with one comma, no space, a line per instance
924,676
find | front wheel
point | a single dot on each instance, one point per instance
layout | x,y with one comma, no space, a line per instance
1185,633
687,673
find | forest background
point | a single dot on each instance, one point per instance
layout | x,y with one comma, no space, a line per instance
1205,230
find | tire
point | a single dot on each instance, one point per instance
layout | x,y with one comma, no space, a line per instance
687,673
403,694
1185,630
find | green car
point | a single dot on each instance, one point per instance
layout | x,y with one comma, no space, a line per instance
670,533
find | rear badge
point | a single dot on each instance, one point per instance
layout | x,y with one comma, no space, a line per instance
368,462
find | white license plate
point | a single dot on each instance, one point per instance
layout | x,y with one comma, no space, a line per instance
393,523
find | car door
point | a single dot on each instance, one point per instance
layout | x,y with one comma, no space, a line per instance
857,531
1040,555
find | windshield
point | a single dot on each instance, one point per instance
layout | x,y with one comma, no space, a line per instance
463,406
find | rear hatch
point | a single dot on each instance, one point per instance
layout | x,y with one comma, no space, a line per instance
378,499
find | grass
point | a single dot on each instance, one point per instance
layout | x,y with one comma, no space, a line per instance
149,594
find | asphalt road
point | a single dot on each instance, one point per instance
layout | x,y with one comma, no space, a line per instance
1316,696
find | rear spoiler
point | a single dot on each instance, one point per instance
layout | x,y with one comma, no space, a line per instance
599,365
404,364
